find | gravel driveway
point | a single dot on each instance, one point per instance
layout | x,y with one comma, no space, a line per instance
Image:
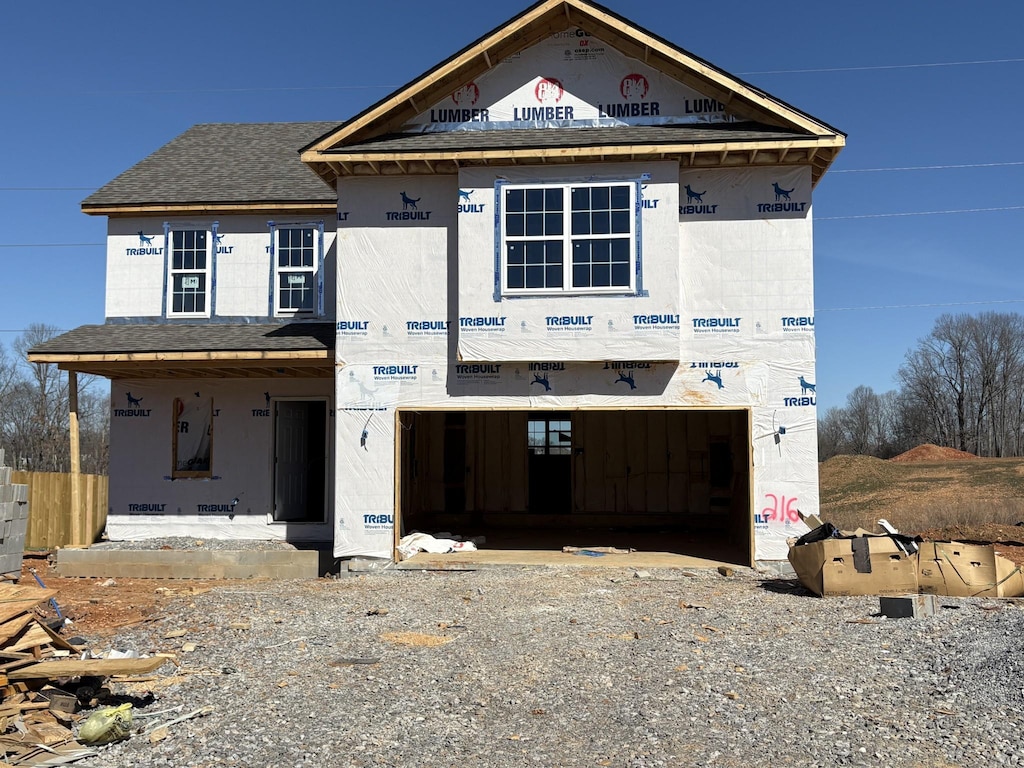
559,666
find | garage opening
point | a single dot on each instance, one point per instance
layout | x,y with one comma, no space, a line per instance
660,480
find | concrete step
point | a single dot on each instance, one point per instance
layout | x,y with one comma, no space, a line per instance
188,564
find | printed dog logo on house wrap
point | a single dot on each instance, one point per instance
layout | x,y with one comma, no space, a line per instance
145,247
695,204
410,210
783,200
134,409
808,394
466,204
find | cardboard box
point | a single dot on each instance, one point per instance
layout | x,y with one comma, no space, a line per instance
874,564
827,567
967,570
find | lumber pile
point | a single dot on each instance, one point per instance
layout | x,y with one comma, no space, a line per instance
36,715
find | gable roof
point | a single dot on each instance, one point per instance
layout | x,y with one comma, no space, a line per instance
219,167
343,151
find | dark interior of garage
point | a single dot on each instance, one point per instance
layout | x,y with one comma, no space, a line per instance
659,480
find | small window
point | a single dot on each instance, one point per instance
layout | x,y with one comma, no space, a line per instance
192,439
295,265
549,437
568,238
189,273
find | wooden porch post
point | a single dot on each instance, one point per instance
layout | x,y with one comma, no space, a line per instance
77,527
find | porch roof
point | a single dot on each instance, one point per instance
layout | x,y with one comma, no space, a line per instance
180,351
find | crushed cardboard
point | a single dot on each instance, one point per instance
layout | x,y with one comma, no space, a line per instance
863,563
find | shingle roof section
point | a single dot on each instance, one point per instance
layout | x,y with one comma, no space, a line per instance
541,138
223,163
211,337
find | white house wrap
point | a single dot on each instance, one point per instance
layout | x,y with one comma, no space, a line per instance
548,293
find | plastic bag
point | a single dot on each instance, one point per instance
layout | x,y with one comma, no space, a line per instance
107,725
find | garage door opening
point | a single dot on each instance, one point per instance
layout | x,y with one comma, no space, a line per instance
661,480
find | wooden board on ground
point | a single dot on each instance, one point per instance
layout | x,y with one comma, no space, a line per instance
87,667
16,599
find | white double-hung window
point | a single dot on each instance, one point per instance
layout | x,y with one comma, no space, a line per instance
568,238
295,266
189,278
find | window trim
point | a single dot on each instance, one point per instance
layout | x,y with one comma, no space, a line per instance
317,270
502,290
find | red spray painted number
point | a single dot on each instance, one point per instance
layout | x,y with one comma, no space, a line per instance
781,509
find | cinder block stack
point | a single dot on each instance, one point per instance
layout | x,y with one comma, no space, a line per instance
13,521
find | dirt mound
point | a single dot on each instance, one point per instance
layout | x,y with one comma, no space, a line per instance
929,452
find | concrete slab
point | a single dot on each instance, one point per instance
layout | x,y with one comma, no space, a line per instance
190,564
491,558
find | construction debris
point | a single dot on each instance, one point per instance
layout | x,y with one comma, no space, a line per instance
39,714
833,562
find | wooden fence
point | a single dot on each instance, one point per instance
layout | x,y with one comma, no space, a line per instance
50,522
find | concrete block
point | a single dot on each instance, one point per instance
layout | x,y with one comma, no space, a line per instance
908,606
5,475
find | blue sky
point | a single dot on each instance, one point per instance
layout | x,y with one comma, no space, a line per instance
90,89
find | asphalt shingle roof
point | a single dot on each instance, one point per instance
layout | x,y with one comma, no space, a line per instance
624,135
211,337
223,163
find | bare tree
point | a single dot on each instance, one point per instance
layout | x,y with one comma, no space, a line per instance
34,418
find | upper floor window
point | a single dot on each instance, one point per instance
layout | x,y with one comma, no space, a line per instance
568,238
189,278
295,267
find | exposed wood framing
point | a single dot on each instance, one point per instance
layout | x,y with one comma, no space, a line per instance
76,456
817,152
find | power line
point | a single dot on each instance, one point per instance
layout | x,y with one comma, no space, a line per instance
50,245
928,167
882,66
948,166
919,213
920,306
362,87
818,218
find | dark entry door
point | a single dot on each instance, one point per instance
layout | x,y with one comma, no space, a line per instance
549,447
300,460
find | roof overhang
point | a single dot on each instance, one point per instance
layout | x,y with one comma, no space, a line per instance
816,151
305,364
183,351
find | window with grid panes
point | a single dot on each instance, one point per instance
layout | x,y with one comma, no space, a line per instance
568,238
189,273
296,270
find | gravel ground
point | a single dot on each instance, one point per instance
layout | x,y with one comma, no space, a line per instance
559,666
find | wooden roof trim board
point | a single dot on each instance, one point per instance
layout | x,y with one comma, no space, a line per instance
811,142
249,208
816,152
193,371
219,356
537,23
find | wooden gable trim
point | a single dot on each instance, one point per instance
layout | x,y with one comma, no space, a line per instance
531,27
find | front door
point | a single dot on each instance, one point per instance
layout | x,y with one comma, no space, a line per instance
300,460
549,446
